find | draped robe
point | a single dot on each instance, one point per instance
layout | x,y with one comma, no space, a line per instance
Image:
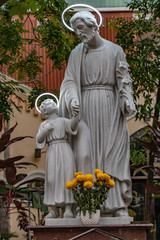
99,78
60,165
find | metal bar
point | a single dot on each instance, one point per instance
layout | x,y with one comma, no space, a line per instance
29,208
97,230
38,216
110,234
83,234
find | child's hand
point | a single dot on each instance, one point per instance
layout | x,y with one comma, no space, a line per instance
49,126
74,105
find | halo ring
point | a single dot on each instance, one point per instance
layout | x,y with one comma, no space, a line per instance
43,94
80,5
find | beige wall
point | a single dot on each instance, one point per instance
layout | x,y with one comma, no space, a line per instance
134,126
28,124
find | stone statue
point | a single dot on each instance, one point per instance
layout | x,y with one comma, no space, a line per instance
97,85
60,163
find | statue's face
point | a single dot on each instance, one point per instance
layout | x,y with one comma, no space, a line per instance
85,33
48,109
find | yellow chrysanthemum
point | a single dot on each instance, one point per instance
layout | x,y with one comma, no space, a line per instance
77,173
69,185
87,184
101,176
110,183
89,177
107,177
81,178
74,183
96,171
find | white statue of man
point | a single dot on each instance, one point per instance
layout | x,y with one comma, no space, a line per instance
97,85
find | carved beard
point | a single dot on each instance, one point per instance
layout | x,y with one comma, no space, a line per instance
88,37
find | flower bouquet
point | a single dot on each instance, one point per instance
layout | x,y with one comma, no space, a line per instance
90,193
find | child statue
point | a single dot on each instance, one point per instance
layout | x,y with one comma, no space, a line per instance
60,164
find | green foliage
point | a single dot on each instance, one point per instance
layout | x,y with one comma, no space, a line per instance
11,40
137,155
49,33
139,38
8,88
146,7
27,66
8,235
13,54
144,147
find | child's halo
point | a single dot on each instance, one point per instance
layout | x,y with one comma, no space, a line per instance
44,94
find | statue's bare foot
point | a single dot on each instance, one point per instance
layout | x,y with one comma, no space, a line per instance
68,212
121,213
53,213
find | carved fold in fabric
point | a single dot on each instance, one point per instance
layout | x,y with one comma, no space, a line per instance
124,65
123,72
126,100
127,79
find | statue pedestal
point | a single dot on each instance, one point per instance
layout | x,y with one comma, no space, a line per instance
57,231
77,221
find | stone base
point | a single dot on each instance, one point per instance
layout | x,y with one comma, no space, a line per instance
133,231
77,221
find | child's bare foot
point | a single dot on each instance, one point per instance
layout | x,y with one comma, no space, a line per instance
53,213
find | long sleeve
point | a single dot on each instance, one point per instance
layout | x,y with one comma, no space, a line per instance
70,87
68,127
43,143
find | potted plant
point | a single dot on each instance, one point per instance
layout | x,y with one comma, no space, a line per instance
90,194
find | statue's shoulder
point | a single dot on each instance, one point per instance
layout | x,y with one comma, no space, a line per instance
78,48
42,125
113,46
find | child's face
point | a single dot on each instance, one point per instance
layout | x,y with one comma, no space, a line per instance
48,109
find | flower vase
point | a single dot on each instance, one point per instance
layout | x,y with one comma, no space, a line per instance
92,219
